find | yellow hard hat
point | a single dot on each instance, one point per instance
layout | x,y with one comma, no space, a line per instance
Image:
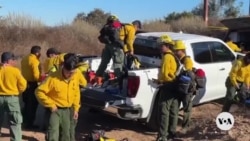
165,39
112,18
179,45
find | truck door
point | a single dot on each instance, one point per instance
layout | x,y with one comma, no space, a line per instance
216,60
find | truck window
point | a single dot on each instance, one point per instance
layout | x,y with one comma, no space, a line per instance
209,52
220,53
202,52
146,47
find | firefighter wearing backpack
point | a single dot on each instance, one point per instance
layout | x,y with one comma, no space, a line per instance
186,99
235,80
169,106
118,38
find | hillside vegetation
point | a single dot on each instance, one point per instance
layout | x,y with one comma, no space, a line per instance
20,32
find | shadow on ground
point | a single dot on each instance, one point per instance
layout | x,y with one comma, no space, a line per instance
100,121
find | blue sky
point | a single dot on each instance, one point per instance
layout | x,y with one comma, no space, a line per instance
53,12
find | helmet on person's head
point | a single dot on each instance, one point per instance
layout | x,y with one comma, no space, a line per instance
137,23
179,45
165,39
112,18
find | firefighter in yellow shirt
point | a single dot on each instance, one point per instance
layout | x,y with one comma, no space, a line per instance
12,83
186,99
169,104
111,51
232,45
237,76
30,67
49,65
60,92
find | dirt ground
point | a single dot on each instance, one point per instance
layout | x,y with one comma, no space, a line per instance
203,129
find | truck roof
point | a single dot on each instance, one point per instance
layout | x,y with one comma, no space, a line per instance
175,36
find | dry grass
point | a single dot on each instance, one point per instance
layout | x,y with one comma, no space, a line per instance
19,32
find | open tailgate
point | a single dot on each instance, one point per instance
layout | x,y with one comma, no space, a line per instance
100,99
237,23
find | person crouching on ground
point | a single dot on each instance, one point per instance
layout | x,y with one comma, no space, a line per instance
12,83
236,79
60,92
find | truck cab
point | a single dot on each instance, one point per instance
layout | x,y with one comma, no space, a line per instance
138,98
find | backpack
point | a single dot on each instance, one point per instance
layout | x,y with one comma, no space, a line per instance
110,34
199,75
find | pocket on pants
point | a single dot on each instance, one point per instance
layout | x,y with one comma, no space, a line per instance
13,104
15,118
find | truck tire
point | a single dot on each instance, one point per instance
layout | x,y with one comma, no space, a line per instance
154,120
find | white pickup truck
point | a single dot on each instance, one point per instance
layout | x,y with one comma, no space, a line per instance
139,96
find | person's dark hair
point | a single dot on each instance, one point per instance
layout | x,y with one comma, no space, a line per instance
51,51
35,49
137,23
247,58
70,61
6,56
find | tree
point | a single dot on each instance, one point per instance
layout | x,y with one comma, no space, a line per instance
96,17
80,16
219,8
175,16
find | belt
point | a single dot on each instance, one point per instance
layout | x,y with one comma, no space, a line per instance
8,95
63,107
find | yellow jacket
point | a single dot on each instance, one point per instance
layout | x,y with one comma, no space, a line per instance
30,67
49,64
83,67
168,68
233,46
239,71
55,91
127,34
247,79
187,63
11,81
58,60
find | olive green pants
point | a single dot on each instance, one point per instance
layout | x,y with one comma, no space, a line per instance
187,109
230,93
59,125
169,111
117,55
11,105
73,124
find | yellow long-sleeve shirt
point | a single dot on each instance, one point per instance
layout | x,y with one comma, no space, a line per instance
51,64
30,67
187,63
11,81
247,79
239,71
127,34
58,60
233,46
168,68
55,91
